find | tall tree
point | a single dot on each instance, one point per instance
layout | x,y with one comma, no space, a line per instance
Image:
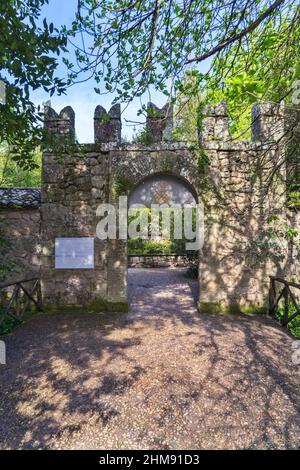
265,69
128,45
29,48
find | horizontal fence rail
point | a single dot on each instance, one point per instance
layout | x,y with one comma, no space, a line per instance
280,289
17,297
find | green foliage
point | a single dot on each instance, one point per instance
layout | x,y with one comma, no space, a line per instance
121,186
167,244
189,108
14,175
8,324
5,268
294,200
203,162
189,114
29,49
141,137
280,229
138,246
150,42
6,265
261,70
294,325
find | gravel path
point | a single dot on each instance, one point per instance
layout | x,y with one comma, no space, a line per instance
161,377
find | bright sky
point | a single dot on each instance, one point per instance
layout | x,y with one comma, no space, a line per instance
82,96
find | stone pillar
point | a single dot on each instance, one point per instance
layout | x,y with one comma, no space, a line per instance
159,124
215,123
267,122
107,126
60,125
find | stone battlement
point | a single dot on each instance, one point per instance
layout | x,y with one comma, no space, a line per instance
268,122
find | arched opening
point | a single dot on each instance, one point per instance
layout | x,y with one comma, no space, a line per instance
160,257
176,189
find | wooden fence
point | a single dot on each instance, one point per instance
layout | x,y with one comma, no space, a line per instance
17,297
280,289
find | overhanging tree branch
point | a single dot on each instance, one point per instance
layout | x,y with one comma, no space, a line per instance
239,36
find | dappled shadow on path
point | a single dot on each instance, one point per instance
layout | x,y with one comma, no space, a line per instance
162,376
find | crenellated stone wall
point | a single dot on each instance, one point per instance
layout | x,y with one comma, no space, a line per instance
235,188
236,258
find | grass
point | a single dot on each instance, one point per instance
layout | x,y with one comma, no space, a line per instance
8,325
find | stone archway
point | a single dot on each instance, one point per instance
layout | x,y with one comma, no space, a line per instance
175,169
169,192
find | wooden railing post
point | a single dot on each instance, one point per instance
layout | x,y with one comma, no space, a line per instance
18,302
286,306
272,297
39,296
289,299
21,298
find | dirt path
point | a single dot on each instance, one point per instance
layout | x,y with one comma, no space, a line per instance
161,377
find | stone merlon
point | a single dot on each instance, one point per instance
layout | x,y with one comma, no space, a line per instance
268,121
159,122
107,125
215,123
62,124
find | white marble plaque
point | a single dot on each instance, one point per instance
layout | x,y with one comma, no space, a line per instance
74,253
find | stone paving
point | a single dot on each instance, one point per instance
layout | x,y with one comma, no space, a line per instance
161,377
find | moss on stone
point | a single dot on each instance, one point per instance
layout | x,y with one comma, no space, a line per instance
165,165
105,305
98,306
223,309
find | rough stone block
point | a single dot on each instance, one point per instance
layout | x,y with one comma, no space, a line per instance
107,126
